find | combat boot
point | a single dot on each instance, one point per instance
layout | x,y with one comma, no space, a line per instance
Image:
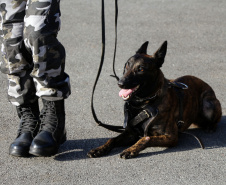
29,126
52,131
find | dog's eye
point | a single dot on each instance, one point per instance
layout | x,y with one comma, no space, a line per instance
126,67
140,69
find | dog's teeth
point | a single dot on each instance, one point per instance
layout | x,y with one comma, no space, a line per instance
125,98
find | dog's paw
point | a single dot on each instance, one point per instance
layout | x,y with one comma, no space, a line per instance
128,154
97,152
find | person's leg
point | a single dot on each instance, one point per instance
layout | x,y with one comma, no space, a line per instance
16,62
42,22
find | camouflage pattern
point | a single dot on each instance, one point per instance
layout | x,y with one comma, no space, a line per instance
32,57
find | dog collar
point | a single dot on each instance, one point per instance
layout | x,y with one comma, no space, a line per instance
147,99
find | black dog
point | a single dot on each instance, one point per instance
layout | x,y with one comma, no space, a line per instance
156,108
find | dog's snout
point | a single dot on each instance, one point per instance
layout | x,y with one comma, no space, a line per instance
120,83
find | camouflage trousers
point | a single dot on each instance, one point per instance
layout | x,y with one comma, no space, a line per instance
32,57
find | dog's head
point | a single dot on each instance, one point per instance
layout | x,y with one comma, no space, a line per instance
140,72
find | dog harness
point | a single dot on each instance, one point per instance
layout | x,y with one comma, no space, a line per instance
148,114
178,86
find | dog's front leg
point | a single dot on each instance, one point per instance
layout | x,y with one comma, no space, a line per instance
148,141
124,139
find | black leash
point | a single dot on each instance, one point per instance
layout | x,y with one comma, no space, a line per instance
114,128
197,139
116,26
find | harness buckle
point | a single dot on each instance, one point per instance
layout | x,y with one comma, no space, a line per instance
148,115
184,86
180,123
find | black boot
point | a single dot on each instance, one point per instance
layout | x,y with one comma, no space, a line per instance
52,131
29,126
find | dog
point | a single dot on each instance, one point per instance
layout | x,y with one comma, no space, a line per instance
157,109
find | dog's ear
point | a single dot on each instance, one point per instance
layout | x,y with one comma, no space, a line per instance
143,48
161,53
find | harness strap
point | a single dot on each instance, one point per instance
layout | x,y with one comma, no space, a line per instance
180,95
178,87
126,115
147,112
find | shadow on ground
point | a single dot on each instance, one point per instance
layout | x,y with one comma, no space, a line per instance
78,149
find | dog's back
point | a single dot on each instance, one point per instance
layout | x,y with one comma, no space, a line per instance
199,94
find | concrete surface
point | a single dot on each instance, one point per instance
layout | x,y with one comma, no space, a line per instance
196,35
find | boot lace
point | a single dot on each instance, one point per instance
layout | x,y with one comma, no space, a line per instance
49,121
28,121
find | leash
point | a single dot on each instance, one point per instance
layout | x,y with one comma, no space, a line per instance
197,138
116,38
114,128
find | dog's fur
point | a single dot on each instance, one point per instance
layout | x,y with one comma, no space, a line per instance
199,103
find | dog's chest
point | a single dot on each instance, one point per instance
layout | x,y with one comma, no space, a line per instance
142,119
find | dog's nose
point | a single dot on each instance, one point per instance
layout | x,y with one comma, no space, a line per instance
120,83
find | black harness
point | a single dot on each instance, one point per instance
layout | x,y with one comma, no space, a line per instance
178,86
148,113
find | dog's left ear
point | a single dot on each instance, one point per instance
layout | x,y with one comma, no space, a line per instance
143,48
160,54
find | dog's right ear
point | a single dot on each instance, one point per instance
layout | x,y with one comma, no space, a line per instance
143,48
161,53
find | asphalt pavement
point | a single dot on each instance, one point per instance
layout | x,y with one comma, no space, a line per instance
196,35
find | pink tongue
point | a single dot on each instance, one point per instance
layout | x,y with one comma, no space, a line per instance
125,92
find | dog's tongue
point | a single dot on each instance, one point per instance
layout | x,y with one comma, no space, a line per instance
125,92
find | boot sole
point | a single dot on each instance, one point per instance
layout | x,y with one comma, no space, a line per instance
44,152
19,153
47,152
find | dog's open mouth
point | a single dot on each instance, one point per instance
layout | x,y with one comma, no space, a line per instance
127,93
